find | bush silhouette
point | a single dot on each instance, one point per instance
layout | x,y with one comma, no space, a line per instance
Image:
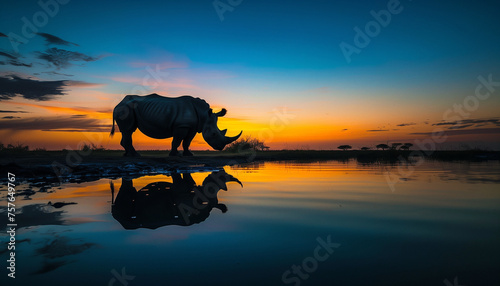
246,143
382,146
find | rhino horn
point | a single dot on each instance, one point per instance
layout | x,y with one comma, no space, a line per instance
223,132
230,140
233,179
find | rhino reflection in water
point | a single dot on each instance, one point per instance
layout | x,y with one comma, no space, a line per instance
158,204
164,117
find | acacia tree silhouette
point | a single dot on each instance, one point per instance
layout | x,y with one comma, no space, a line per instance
344,147
406,146
382,146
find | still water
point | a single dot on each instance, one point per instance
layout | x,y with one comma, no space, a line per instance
326,223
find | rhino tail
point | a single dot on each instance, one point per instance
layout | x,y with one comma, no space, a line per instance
113,127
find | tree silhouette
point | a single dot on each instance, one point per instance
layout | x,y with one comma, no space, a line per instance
395,146
344,147
365,148
406,146
382,146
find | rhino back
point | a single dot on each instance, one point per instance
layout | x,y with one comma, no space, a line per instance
159,116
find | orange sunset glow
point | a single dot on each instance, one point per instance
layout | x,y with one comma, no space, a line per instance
301,91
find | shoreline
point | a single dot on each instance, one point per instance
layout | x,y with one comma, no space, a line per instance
218,158
43,170
74,159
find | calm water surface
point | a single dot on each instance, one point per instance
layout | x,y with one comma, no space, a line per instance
328,223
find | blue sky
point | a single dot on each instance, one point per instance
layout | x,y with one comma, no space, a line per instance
267,52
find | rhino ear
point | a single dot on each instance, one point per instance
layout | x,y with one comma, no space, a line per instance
210,112
221,113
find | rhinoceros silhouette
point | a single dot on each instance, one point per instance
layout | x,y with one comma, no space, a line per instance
180,202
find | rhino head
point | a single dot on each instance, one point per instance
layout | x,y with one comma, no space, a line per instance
216,138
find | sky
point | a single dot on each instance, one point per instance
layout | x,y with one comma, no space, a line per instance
294,74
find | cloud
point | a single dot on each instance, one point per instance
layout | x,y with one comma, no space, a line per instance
56,73
55,123
3,35
84,84
8,55
48,265
16,63
67,110
12,85
377,130
53,40
13,111
10,117
13,60
406,124
62,246
460,126
475,131
105,130
468,123
63,58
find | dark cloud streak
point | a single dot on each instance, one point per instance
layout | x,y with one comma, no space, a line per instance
468,122
54,40
11,86
13,60
406,124
55,123
475,131
63,58
13,111
16,63
8,55
56,73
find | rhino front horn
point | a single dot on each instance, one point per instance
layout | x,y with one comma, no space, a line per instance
230,140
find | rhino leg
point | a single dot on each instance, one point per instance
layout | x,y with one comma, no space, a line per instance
179,134
126,120
126,143
184,135
186,142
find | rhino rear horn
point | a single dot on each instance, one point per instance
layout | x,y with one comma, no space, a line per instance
223,132
221,113
230,140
